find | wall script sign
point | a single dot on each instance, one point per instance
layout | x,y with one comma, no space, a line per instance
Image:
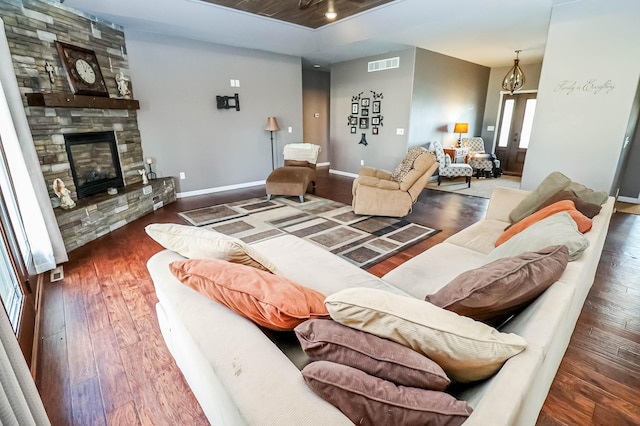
593,86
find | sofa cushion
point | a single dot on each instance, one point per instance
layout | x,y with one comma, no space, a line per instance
327,340
588,194
201,243
584,223
553,183
556,229
271,301
467,350
590,210
368,400
501,288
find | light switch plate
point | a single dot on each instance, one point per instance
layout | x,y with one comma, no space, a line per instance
399,131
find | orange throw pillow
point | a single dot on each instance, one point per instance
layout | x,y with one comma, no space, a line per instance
269,300
583,222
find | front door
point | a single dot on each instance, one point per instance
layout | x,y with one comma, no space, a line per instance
516,119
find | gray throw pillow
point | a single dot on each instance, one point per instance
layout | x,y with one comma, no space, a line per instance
327,340
493,292
553,183
556,229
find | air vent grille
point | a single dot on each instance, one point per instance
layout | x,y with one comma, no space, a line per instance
384,64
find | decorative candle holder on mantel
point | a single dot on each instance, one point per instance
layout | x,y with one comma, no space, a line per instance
150,174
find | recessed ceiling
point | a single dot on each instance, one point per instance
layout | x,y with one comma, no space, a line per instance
485,32
308,13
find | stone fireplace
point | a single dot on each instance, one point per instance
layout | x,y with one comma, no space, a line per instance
94,161
57,118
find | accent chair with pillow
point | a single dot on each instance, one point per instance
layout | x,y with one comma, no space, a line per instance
449,169
482,162
380,193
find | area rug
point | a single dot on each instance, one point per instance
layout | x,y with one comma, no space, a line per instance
479,187
361,240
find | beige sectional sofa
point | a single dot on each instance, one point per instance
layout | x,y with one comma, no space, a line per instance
241,377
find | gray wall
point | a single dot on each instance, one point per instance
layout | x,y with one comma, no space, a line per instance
531,79
446,90
177,80
386,149
316,87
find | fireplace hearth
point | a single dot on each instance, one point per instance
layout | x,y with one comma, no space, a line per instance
94,161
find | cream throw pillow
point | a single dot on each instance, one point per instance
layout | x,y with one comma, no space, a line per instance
465,349
201,243
557,229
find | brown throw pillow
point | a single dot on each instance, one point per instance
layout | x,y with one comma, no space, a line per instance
590,210
368,400
501,288
327,340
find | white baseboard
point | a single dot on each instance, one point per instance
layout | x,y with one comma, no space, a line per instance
323,164
341,173
218,189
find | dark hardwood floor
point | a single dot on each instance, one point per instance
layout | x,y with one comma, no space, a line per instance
102,359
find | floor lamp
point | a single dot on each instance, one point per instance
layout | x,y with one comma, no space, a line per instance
272,126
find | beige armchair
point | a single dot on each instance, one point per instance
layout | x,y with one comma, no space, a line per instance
380,193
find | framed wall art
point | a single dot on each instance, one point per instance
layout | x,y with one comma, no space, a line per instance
376,107
364,102
364,112
354,129
354,108
83,70
374,130
375,121
364,123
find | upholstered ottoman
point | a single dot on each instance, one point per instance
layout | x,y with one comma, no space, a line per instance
290,180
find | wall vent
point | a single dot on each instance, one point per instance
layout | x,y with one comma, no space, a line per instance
384,64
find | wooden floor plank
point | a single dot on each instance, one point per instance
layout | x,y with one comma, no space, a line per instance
119,315
114,384
125,415
53,380
87,403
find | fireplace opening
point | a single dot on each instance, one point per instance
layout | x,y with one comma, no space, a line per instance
94,161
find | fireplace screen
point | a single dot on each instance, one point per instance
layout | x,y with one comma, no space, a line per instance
94,162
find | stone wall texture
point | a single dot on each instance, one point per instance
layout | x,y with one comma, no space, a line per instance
32,27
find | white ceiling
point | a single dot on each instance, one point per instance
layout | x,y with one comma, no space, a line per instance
486,32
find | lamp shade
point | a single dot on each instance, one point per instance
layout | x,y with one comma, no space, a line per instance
272,124
461,128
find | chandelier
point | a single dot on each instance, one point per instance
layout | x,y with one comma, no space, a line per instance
514,80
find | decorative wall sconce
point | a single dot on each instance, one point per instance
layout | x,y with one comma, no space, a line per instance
228,102
514,80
